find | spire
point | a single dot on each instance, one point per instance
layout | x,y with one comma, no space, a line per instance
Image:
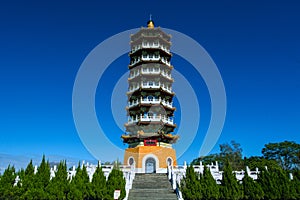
150,23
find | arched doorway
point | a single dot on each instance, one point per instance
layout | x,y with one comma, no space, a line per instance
150,165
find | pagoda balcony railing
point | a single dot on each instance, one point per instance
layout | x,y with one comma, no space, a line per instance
165,62
167,103
132,89
133,103
150,71
166,88
146,71
150,84
134,74
147,118
150,101
164,74
146,85
150,58
150,46
135,61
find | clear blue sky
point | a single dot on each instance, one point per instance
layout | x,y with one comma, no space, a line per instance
255,44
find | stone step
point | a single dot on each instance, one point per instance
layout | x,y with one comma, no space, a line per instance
140,194
151,186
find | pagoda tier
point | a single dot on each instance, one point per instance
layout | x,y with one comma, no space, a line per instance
150,107
146,33
146,59
141,137
148,103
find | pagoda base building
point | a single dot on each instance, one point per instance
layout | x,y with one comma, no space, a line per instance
150,108
150,156
150,160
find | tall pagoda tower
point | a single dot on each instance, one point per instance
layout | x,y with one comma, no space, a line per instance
150,108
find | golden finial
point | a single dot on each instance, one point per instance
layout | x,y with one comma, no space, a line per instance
150,23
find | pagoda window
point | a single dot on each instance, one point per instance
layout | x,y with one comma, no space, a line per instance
144,83
150,69
156,69
150,55
150,83
150,98
156,83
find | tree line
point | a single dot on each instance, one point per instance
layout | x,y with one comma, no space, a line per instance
278,163
282,154
272,183
31,185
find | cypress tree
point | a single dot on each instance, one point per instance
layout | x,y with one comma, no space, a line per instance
43,173
28,182
251,189
190,185
268,183
211,188
98,184
284,184
41,180
7,181
75,192
18,187
38,182
230,187
296,185
86,185
59,185
276,184
115,181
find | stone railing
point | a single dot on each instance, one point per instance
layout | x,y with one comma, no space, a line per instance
176,174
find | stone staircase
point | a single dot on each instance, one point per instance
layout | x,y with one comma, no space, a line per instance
152,187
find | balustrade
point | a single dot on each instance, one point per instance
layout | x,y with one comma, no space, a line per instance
150,118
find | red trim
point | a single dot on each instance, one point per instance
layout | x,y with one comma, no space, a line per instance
150,142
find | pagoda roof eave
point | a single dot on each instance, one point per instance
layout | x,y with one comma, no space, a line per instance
171,138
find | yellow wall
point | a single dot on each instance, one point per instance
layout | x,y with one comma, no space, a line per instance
138,153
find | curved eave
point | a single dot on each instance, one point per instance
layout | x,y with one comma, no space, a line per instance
155,48
150,105
141,37
138,123
158,29
139,64
149,62
149,89
170,138
144,75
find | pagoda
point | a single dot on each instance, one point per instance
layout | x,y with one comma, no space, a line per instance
150,107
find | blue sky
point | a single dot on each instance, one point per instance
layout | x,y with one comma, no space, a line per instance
255,45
